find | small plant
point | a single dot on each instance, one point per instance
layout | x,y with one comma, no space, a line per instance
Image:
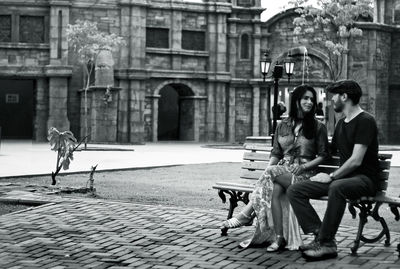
65,144
91,180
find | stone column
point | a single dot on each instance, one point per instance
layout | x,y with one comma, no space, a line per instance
344,74
256,49
176,38
136,108
256,110
196,122
210,111
58,71
220,112
232,114
123,112
58,95
212,41
137,36
233,48
154,117
59,19
221,43
42,108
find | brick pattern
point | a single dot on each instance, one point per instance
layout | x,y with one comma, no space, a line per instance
104,234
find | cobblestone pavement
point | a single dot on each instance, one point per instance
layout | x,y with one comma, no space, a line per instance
89,233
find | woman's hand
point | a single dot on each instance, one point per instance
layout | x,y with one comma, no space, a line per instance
296,170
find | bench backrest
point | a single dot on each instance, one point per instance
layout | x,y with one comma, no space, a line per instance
256,158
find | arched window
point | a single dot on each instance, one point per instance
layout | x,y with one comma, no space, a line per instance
244,46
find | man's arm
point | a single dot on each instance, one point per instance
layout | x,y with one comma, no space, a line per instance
349,166
352,163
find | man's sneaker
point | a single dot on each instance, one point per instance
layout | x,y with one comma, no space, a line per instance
321,251
310,245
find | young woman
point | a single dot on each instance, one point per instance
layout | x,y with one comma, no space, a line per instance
300,145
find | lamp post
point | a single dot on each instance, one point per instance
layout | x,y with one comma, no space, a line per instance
277,75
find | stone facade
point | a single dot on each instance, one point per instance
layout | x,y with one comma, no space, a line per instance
201,56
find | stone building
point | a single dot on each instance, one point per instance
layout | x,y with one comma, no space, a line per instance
189,69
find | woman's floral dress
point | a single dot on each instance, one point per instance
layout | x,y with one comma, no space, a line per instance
291,150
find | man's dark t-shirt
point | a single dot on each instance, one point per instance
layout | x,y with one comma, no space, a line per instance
360,130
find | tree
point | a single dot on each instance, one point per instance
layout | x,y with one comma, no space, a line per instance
87,41
331,25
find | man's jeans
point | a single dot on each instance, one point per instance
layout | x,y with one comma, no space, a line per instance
338,191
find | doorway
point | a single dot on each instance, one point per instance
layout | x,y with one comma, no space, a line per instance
16,108
176,113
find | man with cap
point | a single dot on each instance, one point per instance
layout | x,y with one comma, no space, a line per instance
356,141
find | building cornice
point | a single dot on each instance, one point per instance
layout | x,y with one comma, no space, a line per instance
210,7
193,53
378,26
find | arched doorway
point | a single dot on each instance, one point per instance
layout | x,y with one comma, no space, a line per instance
176,113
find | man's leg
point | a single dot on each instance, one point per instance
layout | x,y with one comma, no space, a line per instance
340,190
299,195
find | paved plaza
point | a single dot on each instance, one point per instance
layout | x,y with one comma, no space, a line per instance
65,232
103,234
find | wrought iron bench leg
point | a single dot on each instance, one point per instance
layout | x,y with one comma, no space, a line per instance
365,211
363,220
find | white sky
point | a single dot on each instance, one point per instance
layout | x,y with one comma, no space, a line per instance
273,7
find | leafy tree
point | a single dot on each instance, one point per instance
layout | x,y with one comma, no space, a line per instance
331,25
64,143
87,41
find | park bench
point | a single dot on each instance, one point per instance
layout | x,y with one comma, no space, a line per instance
255,160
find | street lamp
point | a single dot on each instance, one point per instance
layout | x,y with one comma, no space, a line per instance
277,75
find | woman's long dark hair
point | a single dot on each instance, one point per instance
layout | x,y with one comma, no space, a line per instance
309,120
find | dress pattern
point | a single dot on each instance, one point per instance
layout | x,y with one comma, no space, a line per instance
292,151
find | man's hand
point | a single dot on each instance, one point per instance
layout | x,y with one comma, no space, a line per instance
296,170
321,177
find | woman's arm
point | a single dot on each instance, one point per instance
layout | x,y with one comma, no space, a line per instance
273,160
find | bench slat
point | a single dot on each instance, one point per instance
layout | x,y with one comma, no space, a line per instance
381,197
255,156
254,165
251,174
234,186
257,147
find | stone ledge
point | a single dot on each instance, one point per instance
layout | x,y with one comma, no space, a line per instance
17,45
58,70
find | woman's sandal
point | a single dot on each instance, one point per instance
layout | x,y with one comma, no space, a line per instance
235,223
278,244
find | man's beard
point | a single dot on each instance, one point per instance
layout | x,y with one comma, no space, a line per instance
338,106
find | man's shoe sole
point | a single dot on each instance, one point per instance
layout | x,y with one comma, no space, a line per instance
320,258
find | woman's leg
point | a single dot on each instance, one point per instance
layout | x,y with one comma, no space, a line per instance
277,209
281,183
246,212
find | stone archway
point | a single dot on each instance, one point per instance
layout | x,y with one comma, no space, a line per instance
176,113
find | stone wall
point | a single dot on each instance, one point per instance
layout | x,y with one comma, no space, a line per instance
243,113
394,91
369,58
108,20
